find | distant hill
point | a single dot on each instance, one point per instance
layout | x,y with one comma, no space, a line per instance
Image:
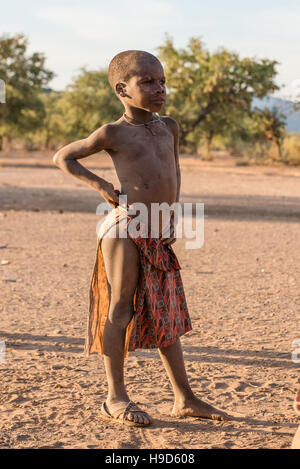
286,107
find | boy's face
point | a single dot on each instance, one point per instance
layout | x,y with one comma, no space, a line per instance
146,88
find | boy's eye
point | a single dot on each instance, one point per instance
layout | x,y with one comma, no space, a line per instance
162,82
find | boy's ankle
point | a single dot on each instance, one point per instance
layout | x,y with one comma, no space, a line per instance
117,398
183,400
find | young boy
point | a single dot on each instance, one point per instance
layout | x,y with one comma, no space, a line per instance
133,272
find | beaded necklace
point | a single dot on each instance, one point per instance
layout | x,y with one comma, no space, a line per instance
158,119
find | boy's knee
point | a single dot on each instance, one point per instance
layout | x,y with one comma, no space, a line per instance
120,314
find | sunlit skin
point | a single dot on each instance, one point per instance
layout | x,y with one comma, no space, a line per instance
147,166
147,169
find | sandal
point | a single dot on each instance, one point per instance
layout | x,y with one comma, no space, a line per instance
120,415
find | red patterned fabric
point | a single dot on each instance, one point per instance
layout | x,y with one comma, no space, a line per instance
161,315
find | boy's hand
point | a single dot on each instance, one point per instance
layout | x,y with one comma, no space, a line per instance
110,194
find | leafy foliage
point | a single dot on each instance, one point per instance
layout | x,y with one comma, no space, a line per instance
88,103
218,85
24,76
210,94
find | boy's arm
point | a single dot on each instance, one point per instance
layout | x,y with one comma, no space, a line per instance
66,159
176,153
173,126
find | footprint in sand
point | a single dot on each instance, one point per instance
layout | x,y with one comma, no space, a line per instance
226,396
18,399
140,362
241,387
23,437
221,385
52,416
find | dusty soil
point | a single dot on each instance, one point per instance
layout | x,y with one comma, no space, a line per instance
242,289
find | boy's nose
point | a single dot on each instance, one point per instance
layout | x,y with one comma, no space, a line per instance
160,89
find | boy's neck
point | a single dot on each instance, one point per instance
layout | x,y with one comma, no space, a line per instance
138,115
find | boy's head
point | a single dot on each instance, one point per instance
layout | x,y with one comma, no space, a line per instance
137,78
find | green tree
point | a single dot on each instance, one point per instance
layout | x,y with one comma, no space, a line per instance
51,131
203,84
217,123
259,133
24,76
88,103
270,126
53,121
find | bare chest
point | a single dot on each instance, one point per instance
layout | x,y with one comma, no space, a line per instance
154,143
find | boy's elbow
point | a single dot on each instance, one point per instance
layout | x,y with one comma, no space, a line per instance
57,159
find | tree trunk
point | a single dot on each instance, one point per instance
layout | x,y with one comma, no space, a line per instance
278,143
47,141
207,144
276,150
6,143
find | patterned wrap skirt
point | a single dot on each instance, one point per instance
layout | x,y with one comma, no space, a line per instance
160,310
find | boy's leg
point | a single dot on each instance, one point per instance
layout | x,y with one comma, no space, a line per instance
186,403
121,259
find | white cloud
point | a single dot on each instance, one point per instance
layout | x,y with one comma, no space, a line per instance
274,34
125,21
93,32
281,23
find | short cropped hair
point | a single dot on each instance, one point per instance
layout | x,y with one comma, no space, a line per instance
123,66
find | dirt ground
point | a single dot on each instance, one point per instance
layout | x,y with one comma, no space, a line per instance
242,290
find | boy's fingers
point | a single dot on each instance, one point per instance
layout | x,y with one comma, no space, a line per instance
115,201
112,199
172,241
169,240
112,196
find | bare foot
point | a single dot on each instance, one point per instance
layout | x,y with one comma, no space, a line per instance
297,402
133,414
197,408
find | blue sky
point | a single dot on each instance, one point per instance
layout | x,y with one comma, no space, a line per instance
76,33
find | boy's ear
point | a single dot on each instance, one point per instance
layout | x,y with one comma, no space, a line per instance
121,89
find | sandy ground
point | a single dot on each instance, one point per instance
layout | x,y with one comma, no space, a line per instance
242,289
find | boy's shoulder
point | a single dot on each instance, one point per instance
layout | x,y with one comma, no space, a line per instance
106,134
109,134
110,128
171,123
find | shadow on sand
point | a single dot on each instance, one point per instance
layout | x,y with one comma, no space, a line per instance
257,358
229,207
